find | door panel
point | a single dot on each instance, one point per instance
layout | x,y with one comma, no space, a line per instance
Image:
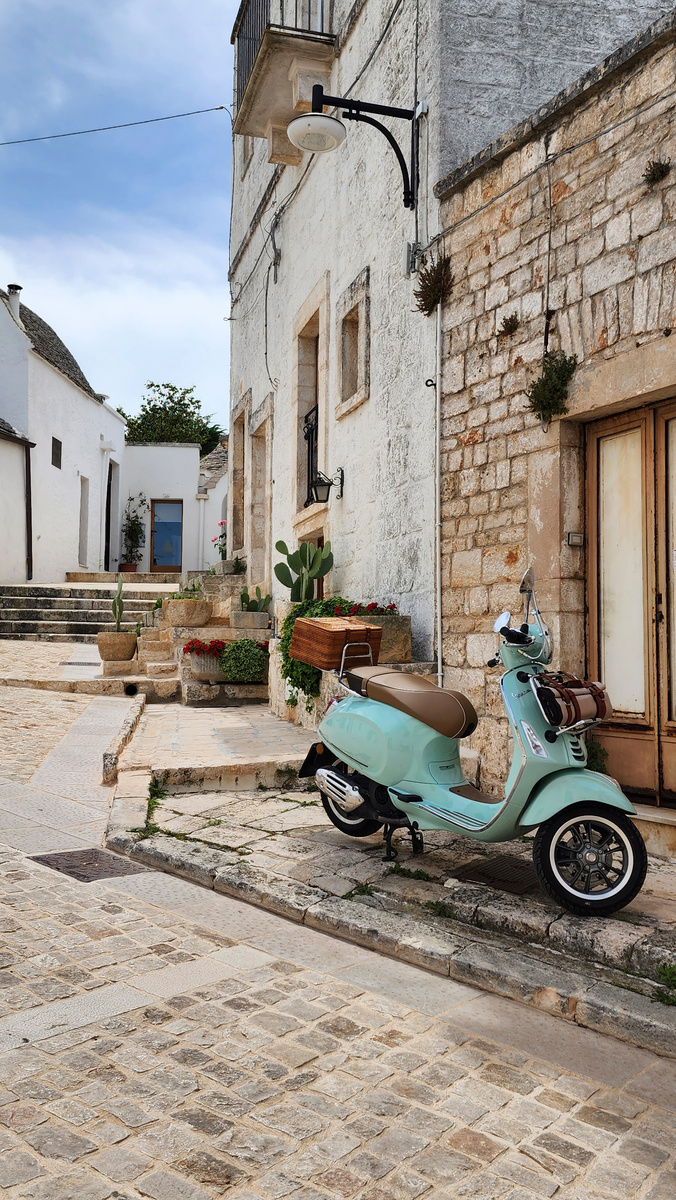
622,571
665,600
621,587
166,535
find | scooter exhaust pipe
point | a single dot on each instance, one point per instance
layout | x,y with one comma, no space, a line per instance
333,785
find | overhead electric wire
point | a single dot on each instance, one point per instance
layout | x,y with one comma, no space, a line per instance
50,137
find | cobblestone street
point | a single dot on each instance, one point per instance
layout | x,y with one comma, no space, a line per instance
160,1041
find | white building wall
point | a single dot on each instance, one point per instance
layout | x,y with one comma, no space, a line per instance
166,471
12,513
215,511
91,434
14,348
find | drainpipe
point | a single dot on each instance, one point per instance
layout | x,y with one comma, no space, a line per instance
437,501
29,511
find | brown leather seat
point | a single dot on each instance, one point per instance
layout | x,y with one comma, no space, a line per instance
450,713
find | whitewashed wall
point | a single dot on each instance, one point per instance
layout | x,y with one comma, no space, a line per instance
87,429
215,510
12,513
479,72
167,471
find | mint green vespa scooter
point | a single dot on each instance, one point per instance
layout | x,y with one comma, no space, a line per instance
388,755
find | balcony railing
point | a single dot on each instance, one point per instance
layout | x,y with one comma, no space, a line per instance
255,16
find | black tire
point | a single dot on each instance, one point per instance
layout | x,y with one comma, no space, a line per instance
350,823
591,859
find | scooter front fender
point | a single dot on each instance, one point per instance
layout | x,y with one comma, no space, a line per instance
567,788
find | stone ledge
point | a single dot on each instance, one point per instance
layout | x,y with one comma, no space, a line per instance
496,964
121,739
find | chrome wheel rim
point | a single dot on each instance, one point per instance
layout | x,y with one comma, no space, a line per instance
591,857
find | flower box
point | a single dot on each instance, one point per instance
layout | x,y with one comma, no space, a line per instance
206,668
320,641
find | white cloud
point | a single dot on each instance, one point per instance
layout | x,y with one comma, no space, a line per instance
136,304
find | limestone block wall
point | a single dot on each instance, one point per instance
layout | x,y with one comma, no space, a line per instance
587,238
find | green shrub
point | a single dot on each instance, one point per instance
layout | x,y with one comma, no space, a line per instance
244,661
549,392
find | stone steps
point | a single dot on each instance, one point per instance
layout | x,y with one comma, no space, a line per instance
111,577
61,612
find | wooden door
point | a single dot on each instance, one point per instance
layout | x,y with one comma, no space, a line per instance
631,497
166,535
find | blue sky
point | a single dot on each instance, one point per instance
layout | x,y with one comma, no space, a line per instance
120,239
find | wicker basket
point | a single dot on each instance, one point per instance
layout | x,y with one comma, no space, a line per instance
320,641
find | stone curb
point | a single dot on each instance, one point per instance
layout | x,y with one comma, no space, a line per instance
492,963
122,738
237,775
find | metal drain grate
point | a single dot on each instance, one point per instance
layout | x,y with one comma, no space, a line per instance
90,663
505,872
88,865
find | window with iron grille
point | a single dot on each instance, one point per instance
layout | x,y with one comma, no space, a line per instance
310,427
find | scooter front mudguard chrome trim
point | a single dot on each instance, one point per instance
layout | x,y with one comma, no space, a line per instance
568,788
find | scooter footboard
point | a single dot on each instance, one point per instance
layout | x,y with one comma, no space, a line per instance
566,788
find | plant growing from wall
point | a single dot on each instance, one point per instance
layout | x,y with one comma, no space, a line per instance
244,661
117,607
509,325
301,677
257,603
656,170
308,563
548,393
133,529
435,281
238,566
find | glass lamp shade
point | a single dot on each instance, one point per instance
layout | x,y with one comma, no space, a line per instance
320,488
316,133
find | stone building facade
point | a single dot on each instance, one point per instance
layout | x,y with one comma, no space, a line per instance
556,224
324,337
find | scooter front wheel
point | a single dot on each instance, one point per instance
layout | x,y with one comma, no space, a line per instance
350,823
591,859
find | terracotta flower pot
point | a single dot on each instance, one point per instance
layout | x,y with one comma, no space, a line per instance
128,567
249,620
116,647
186,613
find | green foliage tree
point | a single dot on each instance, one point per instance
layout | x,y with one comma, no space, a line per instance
172,414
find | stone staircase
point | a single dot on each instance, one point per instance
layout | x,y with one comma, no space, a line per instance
67,613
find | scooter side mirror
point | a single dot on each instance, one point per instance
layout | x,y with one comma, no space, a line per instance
502,620
527,586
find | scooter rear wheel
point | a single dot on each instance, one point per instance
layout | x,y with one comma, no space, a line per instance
350,823
590,859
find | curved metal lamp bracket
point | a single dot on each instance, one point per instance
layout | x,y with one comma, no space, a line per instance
357,110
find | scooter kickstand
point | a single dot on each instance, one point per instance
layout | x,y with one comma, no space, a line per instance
417,839
391,852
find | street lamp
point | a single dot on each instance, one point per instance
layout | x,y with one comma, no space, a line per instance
320,134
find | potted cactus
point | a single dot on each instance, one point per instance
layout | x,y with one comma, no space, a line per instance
252,612
308,563
118,646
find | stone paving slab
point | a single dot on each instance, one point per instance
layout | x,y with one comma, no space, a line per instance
29,730
35,661
220,748
368,1079
280,851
